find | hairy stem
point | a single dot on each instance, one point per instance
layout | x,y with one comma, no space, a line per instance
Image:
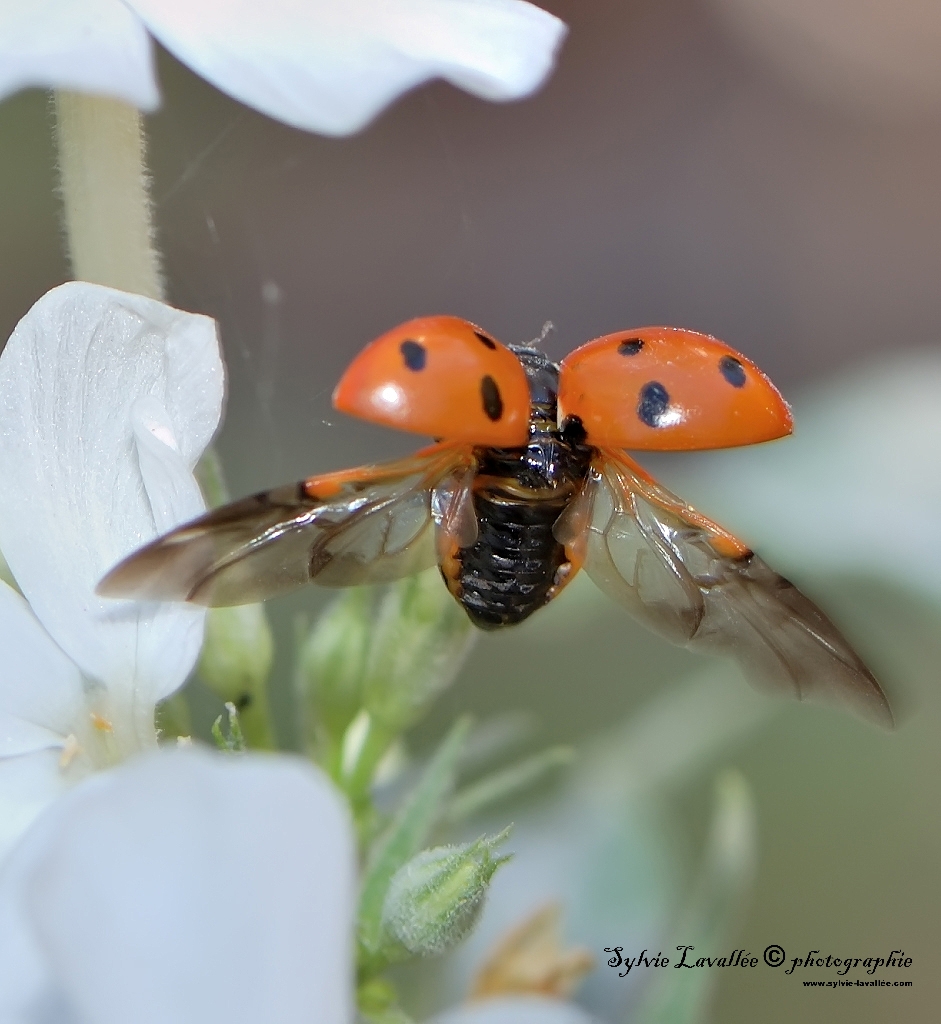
105,192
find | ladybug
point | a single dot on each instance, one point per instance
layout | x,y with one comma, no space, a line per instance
529,483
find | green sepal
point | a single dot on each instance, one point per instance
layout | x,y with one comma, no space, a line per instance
507,782
234,742
435,899
405,836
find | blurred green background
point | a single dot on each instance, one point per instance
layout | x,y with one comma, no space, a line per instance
708,165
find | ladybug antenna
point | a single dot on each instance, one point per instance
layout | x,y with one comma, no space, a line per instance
543,334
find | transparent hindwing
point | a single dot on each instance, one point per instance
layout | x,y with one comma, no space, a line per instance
693,583
369,525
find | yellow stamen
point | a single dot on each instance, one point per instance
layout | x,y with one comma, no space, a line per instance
531,960
70,750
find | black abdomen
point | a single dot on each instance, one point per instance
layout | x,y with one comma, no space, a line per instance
507,574
519,493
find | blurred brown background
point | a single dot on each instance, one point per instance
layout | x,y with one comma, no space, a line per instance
714,166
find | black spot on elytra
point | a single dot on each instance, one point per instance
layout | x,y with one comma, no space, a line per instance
413,354
489,342
573,430
630,347
490,394
653,403
733,371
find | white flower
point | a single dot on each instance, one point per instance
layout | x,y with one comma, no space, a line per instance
106,402
324,65
188,887
516,1010
185,887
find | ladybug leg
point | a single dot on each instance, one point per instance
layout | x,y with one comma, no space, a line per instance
568,570
449,562
455,525
571,531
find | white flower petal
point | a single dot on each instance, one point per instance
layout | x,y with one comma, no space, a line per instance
331,67
96,46
74,499
28,784
515,1010
171,487
185,887
40,688
858,487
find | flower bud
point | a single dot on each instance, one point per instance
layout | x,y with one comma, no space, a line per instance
434,900
235,663
332,661
237,652
421,639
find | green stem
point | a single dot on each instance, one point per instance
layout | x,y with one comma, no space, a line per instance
211,479
327,751
106,194
358,779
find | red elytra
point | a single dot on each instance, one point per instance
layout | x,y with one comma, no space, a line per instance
440,376
652,388
668,389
